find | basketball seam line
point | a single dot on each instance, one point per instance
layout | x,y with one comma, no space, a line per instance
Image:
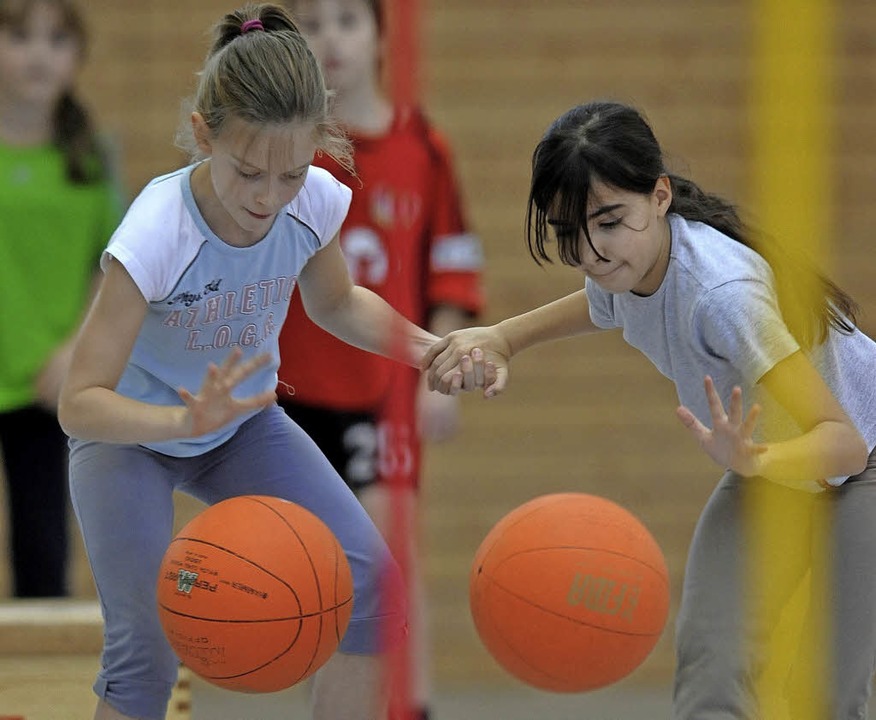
303,616
662,573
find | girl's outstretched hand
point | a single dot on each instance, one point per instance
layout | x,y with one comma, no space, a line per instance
214,406
729,443
468,359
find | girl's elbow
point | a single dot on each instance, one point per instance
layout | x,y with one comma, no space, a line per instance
67,416
65,419
66,427
851,452
859,454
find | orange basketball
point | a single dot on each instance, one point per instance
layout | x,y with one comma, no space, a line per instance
255,594
569,592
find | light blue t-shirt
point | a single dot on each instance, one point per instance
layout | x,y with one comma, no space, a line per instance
207,297
716,314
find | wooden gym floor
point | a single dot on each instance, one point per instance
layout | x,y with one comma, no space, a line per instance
49,656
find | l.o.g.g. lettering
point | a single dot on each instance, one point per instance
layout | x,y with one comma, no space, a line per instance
207,313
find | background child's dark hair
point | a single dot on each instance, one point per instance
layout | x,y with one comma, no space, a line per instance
74,133
613,143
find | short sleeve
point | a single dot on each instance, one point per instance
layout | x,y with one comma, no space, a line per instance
322,204
142,248
601,305
740,322
121,251
157,237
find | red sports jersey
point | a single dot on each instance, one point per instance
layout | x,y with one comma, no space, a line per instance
405,238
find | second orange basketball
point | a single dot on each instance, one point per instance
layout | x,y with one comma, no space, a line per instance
569,592
255,594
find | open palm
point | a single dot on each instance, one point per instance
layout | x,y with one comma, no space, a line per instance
729,441
213,406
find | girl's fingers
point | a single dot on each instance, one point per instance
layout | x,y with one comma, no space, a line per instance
473,373
224,378
441,383
716,407
477,356
433,352
257,401
495,379
474,370
751,421
490,375
450,370
231,360
444,371
690,421
735,413
238,372
258,361
456,382
445,357
467,368
213,379
437,368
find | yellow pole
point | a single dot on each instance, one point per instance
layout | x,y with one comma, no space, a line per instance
792,118
792,186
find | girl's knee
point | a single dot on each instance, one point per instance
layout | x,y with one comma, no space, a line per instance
379,617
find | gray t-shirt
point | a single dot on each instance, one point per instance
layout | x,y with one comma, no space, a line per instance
716,313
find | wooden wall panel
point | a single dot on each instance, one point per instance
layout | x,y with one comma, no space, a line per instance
588,414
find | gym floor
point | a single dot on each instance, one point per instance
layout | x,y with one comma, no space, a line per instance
47,687
624,701
617,703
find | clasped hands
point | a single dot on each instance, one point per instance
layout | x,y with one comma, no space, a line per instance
468,360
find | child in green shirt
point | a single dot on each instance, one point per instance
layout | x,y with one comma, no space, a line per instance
58,207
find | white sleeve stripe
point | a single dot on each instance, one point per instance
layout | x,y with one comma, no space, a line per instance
457,253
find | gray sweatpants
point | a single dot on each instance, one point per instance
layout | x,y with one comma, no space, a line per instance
123,497
722,647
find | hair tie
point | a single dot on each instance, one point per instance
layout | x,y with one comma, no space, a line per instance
251,25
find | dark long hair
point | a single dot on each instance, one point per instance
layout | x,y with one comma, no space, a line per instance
74,133
612,143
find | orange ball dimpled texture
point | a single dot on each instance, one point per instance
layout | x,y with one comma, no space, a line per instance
569,592
255,594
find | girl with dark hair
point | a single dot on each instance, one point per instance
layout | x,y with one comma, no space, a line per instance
58,207
775,382
173,377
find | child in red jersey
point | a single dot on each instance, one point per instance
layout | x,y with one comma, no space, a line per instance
405,238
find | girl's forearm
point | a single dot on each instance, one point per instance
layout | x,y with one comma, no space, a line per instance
367,321
563,318
103,415
832,449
